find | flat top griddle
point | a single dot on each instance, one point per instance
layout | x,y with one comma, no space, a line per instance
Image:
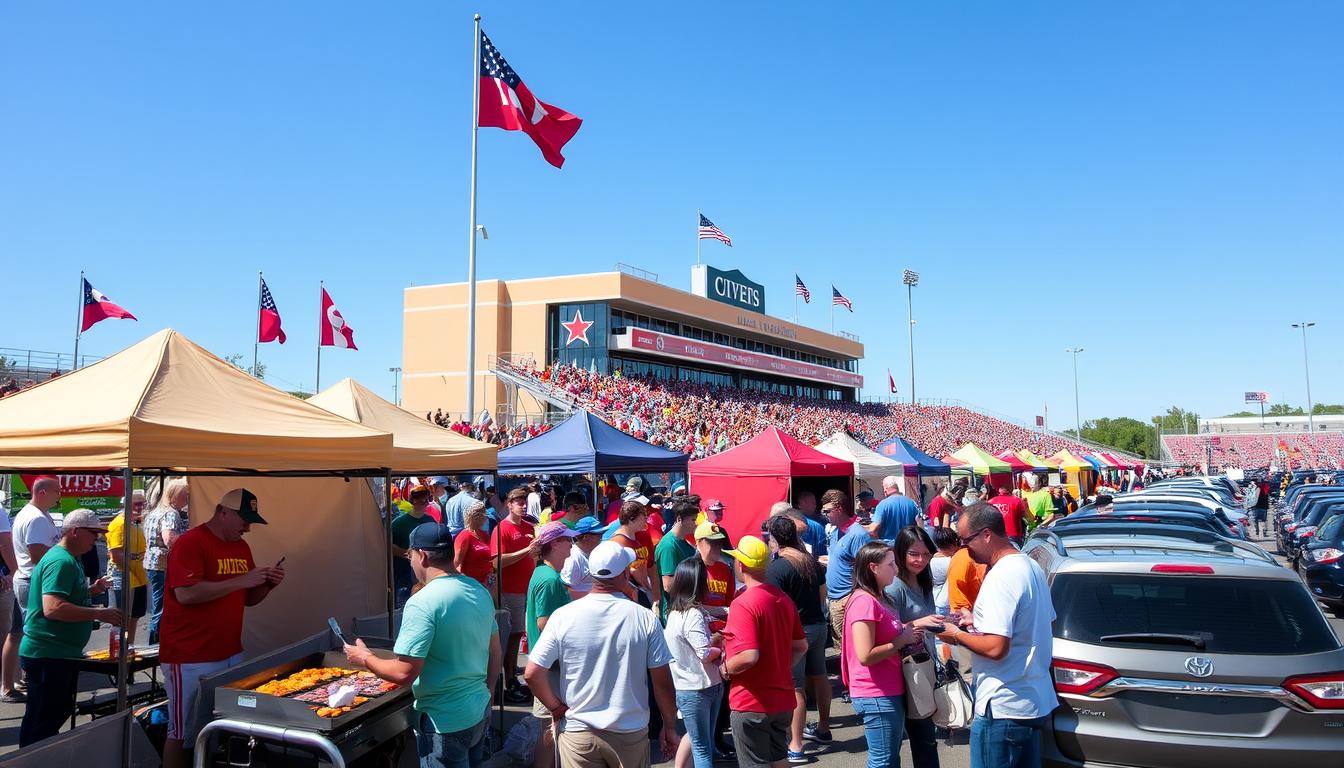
239,700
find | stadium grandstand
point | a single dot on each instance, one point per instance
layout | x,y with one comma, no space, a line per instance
1248,451
23,368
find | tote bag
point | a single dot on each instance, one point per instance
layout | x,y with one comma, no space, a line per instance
921,680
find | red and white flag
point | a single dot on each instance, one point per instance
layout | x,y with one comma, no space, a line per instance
506,102
97,307
335,332
268,323
891,382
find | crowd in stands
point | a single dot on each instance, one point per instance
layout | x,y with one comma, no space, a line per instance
10,385
1248,451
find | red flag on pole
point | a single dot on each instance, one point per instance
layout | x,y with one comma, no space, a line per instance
97,307
335,333
268,326
891,382
506,102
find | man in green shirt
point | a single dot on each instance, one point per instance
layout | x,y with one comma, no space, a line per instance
448,652
1040,504
402,525
673,548
58,626
546,593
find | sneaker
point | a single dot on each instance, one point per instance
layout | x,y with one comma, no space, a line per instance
812,732
797,758
13,697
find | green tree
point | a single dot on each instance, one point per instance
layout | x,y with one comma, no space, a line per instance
1321,409
1284,409
1122,433
236,360
1239,414
1178,421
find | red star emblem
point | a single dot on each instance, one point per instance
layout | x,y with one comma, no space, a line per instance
578,328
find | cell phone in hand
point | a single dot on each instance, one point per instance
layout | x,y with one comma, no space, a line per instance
936,628
282,561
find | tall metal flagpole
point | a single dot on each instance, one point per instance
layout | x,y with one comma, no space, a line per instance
697,236
79,322
321,318
471,230
256,339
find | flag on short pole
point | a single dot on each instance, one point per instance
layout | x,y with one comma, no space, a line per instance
710,232
268,326
97,307
891,382
801,290
838,299
506,102
335,331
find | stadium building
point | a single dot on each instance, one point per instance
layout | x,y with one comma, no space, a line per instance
623,321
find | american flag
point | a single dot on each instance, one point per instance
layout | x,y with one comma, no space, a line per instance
838,299
710,232
801,290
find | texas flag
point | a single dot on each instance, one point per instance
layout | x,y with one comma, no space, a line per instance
335,333
507,103
98,307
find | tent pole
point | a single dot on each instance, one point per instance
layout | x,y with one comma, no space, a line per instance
391,573
504,641
124,599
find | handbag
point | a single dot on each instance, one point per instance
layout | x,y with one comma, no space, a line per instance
920,683
953,706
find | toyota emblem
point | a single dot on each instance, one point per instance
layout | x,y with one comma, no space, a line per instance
1199,666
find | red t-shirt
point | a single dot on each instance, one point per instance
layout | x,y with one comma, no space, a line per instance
722,585
643,546
936,509
477,562
213,631
763,619
512,538
433,512
1014,510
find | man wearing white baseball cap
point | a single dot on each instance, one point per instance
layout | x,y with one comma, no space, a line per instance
603,646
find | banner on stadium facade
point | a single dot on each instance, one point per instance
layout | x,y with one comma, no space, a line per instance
102,494
1257,397
730,287
681,348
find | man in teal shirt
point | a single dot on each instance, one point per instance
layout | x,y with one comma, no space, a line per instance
673,548
58,626
546,593
447,651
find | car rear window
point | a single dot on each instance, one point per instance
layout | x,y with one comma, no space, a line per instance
1230,615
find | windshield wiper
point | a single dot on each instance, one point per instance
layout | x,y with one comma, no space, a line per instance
1197,641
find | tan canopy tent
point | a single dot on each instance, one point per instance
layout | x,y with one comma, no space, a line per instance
418,447
870,467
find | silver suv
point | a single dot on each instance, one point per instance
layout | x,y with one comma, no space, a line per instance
1185,649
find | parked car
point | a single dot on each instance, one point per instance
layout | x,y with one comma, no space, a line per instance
1232,517
1169,652
1322,563
1310,513
1291,511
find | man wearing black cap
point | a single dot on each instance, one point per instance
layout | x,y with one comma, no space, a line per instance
211,579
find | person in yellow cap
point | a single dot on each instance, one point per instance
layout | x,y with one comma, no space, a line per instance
763,640
710,541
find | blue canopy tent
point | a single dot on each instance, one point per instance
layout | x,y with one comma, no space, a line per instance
584,443
916,461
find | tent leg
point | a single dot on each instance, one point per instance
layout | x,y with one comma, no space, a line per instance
504,641
391,578
125,600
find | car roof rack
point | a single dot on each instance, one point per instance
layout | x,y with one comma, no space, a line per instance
1054,538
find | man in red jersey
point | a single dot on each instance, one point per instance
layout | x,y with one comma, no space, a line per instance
511,545
1014,511
211,579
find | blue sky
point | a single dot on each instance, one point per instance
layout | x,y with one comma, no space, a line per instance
1159,183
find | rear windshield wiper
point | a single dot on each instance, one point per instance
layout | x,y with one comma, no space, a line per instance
1197,641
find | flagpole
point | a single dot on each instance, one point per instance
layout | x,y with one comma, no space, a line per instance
257,337
471,231
697,235
79,322
321,318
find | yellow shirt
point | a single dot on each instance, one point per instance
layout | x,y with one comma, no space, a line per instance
116,531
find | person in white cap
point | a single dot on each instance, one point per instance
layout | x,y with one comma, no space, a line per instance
58,625
211,579
602,647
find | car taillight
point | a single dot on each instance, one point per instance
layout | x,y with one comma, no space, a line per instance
1291,527
1180,568
1307,532
1325,556
1321,691
1080,677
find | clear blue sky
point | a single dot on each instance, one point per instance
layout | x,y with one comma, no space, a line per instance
1157,182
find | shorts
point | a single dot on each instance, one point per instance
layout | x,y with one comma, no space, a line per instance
837,607
813,663
16,619
539,710
516,605
183,683
21,594
598,749
761,738
139,601
7,613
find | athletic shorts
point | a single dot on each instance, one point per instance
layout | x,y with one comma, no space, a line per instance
813,663
139,600
516,605
761,738
183,683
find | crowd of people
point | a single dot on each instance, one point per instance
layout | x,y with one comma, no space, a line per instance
1296,449
11,384
648,630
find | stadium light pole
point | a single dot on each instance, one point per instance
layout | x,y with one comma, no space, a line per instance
911,279
396,379
1306,367
1077,421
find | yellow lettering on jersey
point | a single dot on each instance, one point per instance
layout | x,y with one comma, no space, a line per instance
230,566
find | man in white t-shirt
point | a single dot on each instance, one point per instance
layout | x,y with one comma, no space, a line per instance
604,646
1012,642
11,629
35,531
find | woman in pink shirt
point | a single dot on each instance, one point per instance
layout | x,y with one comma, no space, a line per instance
871,662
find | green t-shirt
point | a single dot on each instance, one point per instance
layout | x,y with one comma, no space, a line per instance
545,593
402,525
1041,505
450,623
669,553
59,573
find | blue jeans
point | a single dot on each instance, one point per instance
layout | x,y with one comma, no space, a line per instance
699,711
156,582
1005,743
459,749
51,697
883,726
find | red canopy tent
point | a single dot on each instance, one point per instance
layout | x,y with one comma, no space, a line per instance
771,467
1011,459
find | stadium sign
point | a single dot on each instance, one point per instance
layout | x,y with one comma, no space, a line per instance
1257,397
729,287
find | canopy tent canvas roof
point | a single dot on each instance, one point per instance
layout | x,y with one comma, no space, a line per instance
1102,461
1115,460
166,403
1096,463
1066,460
585,443
750,477
1037,463
975,458
418,447
915,461
1011,459
870,467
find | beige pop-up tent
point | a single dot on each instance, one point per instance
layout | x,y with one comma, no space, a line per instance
418,447
869,465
